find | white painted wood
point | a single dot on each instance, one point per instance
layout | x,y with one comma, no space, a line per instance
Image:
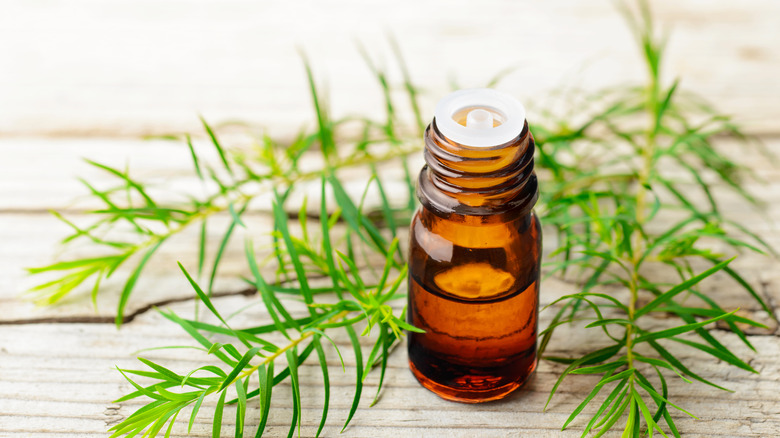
63,384
84,74
96,67
58,379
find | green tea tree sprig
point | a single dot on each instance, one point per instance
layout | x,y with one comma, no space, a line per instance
359,301
240,178
251,357
363,298
604,207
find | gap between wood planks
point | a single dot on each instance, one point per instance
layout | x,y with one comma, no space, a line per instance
83,319
71,210
248,292
126,318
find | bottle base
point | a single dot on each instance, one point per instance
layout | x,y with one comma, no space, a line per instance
471,389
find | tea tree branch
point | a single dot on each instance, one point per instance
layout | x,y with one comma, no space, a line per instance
606,220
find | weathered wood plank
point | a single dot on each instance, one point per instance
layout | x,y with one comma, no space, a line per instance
29,233
117,68
39,174
59,379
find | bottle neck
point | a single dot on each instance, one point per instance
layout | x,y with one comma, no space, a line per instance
487,182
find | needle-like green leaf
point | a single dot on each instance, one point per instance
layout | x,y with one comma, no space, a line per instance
223,245
216,427
195,410
359,374
280,220
325,383
130,283
241,387
239,367
217,145
292,364
678,330
266,382
195,160
685,285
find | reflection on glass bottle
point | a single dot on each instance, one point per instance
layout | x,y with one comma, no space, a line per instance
475,248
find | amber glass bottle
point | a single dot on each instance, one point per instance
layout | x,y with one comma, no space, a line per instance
475,248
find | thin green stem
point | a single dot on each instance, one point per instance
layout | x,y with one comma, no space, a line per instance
644,178
293,343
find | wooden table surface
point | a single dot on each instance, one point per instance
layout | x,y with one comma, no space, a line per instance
90,78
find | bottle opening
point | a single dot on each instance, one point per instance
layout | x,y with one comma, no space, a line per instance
479,117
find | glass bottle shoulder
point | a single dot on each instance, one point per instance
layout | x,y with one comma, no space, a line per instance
468,258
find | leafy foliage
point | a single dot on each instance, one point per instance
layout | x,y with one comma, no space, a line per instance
605,207
605,187
236,182
248,361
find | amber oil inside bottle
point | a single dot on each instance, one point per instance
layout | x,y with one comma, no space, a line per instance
475,249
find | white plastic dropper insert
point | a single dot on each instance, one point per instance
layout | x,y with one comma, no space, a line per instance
479,131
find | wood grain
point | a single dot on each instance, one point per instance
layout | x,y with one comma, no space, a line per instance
57,378
98,67
63,384
88,78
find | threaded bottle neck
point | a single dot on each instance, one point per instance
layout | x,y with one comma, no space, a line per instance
488,182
